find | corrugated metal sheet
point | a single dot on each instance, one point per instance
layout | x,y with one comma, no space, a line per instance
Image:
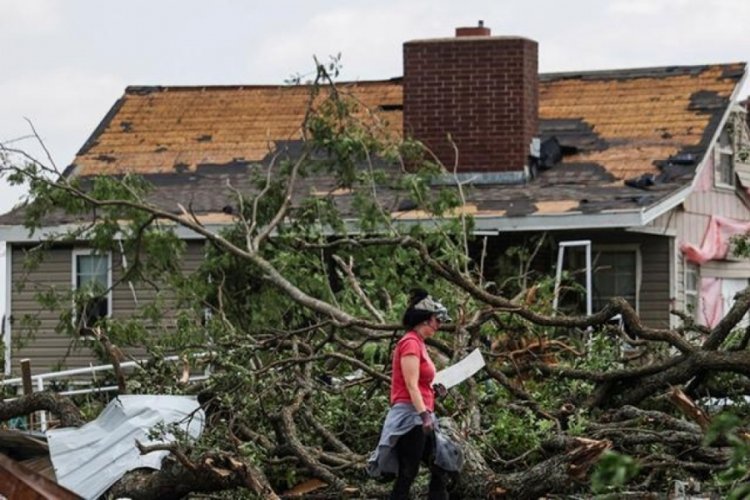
90,459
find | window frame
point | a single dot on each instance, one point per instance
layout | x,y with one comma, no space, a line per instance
77,252
686,268
634,248
627,247
720,150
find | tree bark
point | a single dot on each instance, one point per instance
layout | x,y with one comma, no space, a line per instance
60,406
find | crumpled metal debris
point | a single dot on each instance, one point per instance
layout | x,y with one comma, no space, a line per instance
90,459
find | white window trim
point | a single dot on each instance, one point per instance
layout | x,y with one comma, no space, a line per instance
685,265
627,247
674,285
74,273
718,151
7,339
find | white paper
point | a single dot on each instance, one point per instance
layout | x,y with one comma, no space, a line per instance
466,368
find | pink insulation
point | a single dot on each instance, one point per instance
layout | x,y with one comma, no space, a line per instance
716,245
716,241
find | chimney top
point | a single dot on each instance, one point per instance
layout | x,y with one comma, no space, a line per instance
478,30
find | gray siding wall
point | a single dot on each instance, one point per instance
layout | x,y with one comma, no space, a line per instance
129,301
654,297
47,349
656,273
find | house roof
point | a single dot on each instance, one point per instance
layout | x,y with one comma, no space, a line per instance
613,126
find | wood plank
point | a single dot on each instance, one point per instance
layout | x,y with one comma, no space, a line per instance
18,481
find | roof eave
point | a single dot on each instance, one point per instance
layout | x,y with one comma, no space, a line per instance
21,234
610,219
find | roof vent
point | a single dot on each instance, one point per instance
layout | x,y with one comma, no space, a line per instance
478,30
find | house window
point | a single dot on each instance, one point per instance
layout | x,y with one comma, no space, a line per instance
615,273
614,276
92,276
692,280
725,159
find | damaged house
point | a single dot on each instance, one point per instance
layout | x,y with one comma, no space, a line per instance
645,169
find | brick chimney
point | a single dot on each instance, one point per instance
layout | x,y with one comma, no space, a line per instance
481,90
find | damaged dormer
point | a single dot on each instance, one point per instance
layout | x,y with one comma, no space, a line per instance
477,92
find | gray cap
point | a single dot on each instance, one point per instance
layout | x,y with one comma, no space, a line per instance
433,306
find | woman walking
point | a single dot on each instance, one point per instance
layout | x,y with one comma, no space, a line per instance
410,433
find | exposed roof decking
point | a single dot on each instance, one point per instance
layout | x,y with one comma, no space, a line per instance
642,119
641,115
162,130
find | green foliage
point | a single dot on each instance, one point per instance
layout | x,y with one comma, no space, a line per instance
612,472
513,433
733,479
603,351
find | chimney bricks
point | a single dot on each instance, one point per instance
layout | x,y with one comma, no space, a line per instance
483,91
478,30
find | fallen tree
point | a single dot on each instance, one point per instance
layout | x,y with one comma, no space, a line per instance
296,308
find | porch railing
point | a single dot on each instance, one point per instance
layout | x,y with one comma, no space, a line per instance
39,380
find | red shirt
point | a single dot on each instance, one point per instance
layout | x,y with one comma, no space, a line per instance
412,344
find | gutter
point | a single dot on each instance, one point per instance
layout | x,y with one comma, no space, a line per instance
486,225
21,234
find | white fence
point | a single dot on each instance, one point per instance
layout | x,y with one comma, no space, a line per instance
39,379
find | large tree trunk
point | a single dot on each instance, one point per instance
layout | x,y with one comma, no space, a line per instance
570,460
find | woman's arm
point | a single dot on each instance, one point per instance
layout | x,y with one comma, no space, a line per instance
410,370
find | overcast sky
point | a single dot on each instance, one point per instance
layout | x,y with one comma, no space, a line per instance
65,62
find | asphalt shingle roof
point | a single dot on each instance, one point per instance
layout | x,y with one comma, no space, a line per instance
612,125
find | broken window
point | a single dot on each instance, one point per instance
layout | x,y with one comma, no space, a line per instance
614,275
92,278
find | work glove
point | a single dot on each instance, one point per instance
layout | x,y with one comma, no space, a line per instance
428,426
440,391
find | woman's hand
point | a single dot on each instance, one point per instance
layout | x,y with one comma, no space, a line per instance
428,426
440,390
